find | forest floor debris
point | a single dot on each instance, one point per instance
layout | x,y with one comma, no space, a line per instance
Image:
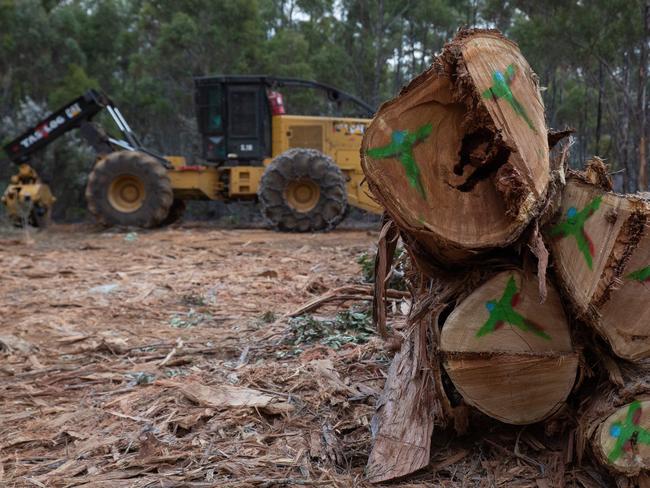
191,373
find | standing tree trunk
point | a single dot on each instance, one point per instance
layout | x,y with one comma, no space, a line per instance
460,158
398,79
623,142
599,109
379,53
641,98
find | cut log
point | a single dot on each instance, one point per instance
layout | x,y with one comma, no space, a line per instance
460,158
601,251
622,440
508,355
614,418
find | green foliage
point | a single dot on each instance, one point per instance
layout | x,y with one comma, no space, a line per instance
191,318
367,262
348,327
397,281
268,317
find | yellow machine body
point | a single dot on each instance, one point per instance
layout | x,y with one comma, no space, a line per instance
338,138
244,128
208,182
27,198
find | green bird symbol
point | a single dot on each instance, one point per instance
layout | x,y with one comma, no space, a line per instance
502,312
628,433
574,225
641,275
501,89
401,147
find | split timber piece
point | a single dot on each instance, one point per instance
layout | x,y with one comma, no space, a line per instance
507,354
460,159
414,404
600,246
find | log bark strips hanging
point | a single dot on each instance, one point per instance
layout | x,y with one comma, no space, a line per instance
508,355
406,414
414,404
460,158
601,249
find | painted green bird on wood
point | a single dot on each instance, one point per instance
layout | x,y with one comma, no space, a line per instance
502,312
574,225
641,275
401,147
501,89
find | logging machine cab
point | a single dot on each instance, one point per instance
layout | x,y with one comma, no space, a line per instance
304,170
239,115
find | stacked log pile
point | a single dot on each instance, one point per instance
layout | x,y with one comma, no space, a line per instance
525,276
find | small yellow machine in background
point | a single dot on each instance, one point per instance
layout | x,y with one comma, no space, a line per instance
27,199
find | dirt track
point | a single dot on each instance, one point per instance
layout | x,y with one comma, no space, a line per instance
165,358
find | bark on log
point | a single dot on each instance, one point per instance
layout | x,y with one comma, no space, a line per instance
406,414
413,402
601,251
508,355
460,158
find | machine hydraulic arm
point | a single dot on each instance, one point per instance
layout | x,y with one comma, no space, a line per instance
27,198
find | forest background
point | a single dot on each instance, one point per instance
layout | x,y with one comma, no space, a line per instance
591,57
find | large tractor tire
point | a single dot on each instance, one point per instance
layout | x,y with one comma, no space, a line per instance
129,188
303,190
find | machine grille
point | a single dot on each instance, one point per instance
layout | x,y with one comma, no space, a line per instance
310,136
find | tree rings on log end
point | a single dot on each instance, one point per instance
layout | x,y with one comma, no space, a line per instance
622,441
460,158
601,251
508,355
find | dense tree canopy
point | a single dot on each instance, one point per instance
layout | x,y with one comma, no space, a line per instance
591,57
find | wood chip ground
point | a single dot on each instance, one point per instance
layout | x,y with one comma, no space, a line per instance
160,359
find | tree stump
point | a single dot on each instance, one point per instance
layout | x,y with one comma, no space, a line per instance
601,251
460,158
508,355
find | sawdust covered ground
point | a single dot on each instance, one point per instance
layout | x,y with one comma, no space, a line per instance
165,358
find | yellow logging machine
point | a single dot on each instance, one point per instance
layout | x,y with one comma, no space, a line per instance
304,170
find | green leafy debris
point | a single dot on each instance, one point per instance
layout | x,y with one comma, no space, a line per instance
190,319
349,327
367,262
